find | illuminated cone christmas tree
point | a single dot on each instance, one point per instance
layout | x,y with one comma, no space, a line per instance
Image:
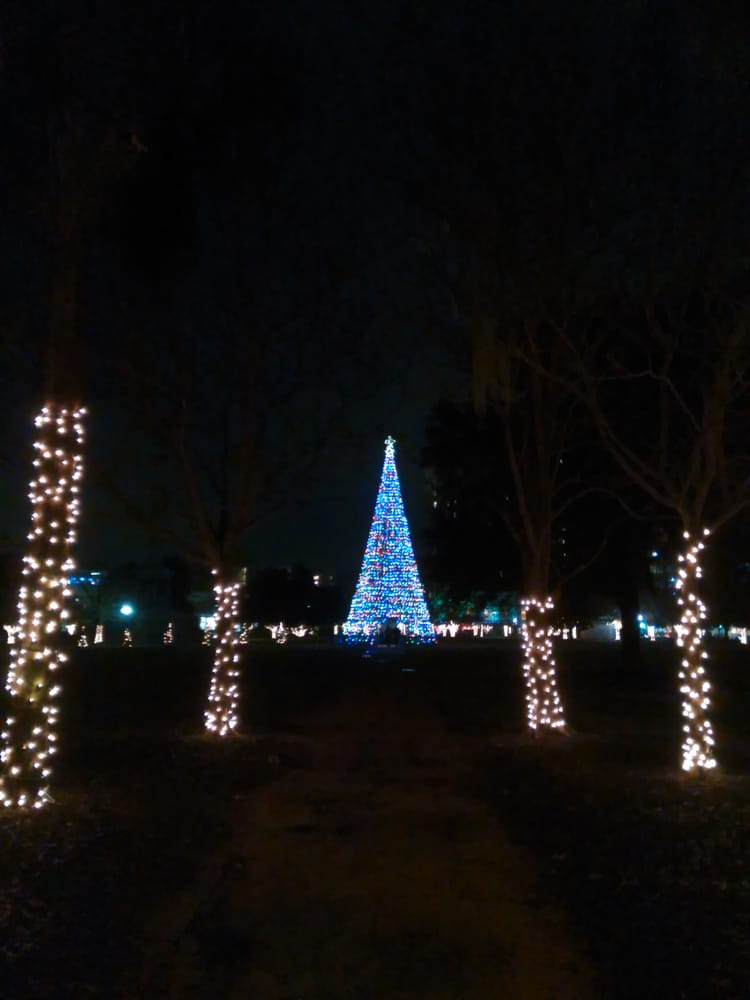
389,586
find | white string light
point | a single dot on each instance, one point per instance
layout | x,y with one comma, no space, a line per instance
82,639
127,637
543,705
221,714
29,736
698,743
99,634
168,637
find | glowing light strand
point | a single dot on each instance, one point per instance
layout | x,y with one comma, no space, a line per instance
221,713
698,743
543,704
29,736
389,584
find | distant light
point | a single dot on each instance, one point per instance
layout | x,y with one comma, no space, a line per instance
127,610
654,555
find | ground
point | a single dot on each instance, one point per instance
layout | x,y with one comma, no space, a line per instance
383,828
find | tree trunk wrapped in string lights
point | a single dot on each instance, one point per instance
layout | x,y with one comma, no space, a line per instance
543,705
698,743
221,714
29,735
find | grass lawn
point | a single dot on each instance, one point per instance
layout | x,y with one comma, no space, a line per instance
651,867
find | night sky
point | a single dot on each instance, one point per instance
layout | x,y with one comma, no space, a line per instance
310,129
303,90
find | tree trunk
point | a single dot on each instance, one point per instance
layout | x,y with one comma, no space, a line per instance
543,705
29,735
698,742
223,697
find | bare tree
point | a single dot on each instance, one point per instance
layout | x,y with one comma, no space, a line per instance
78,162
71,133
527,212
517,367
233,372
670,399
228,424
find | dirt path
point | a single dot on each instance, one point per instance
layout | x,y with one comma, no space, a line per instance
368,870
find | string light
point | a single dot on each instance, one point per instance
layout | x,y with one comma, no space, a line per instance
698,742
82,640
448,628
127,637
389,584
221,714
168,637
29,736
543,705
99,634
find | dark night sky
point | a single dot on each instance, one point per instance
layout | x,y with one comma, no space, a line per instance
347,209
354,85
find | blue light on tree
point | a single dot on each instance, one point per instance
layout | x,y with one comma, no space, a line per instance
389,586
